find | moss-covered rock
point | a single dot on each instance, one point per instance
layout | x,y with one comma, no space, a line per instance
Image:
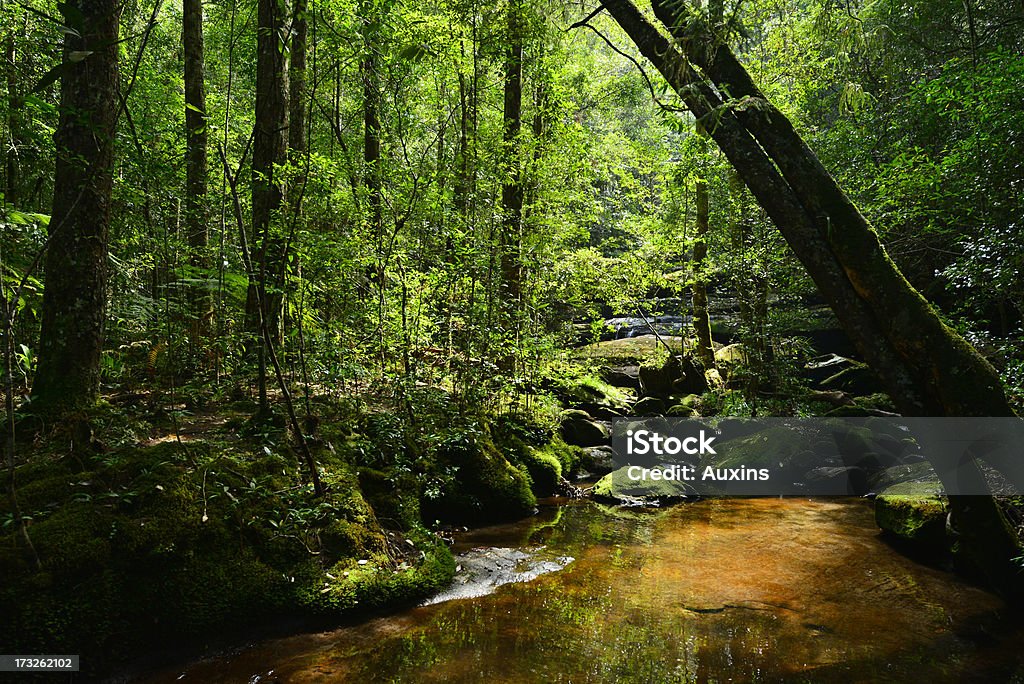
732,355
783,449
617,487
914,511
681,411
580,429
392,494
649,406
920,472
375,581
629,350
479,484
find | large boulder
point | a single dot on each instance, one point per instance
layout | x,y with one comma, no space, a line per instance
732,355
656,381
627,377
649,406
920,472
580,429
599,460
677,375
631,351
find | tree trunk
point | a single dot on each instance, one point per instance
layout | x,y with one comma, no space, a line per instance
460,190
371,136
269,149
75,296
196,142
297,79
699,289
372,178
512,188
12,145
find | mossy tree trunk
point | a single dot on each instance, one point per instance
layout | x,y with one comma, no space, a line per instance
769,189
948,376
75,296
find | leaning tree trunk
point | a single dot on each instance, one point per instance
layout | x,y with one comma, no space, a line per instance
75,295
769,188
854,274
950,377
196,144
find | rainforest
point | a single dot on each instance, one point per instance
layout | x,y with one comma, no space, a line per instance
322,321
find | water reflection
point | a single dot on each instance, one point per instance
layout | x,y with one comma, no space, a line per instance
725,590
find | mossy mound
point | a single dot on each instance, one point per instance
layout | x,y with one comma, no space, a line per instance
477,482
617,487
427,566
538,450
629,350
166,545
913,511
588,391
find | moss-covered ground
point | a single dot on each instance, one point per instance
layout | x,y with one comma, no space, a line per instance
178,528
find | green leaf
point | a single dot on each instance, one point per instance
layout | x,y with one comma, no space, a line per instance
50,77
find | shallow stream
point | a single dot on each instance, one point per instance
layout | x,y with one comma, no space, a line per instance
720,590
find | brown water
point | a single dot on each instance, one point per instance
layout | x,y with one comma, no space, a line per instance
746,590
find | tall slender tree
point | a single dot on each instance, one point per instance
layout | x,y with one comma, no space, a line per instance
196,144
269,150
512,188
699,287
75,296
297,142
371,114
11,145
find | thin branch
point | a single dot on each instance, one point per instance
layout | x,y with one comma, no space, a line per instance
650,85
583,22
